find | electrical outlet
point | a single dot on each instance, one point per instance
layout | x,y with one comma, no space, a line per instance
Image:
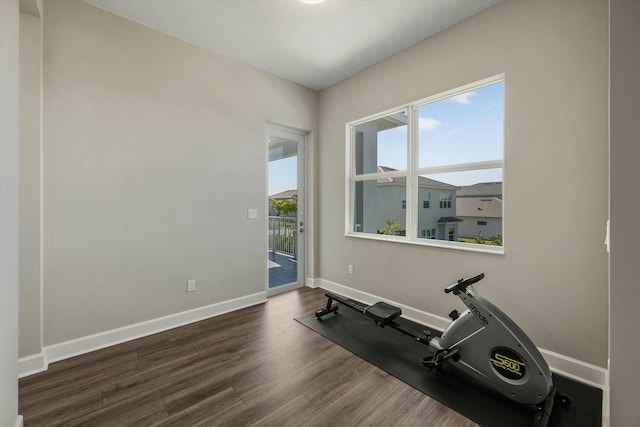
350,269
191,285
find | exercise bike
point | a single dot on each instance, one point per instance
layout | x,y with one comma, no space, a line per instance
482,342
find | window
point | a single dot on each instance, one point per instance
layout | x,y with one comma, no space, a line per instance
428,233
445,200
448,147
482,222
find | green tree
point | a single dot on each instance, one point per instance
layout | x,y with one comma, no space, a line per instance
391,227
284,207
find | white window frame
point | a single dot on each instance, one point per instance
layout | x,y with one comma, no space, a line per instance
413,199
446,199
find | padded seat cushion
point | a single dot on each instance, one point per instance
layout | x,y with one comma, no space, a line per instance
382,312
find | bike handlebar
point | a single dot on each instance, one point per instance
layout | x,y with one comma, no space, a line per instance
461,285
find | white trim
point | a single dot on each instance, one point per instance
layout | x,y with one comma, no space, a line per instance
576,369
462,89
302,138
281,289
309,205
101,340
18,421
31,365
311,283
566,366
348,187
413,171
419,316
462,167
583,372
41,195
265,221
445,244
379,175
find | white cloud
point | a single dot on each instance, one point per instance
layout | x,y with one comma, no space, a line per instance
429,123
463,98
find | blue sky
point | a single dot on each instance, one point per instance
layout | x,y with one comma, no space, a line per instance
460,129
283,175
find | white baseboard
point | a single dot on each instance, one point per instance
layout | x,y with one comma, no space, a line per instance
560,364
311,283
31,365
18,421
576,369
563,365
40,362
429,320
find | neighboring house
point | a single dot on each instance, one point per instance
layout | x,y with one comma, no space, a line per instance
480,207
284,195
387,199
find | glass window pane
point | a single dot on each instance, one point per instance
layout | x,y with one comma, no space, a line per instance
426,200
467,207
381,144
465,128
378,206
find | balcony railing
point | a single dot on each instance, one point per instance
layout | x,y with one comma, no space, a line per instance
283,235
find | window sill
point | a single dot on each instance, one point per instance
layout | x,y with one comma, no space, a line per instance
469,247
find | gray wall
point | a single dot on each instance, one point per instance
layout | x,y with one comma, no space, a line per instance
154,151
624,207
9,148
125,150
554,55
30,96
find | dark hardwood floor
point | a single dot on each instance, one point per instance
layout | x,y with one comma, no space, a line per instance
256,366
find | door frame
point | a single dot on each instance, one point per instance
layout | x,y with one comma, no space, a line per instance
302,137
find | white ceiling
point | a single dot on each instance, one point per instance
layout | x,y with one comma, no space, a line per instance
315,46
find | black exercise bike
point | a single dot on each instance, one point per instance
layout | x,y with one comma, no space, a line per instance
482,342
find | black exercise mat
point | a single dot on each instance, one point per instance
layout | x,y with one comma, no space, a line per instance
401,357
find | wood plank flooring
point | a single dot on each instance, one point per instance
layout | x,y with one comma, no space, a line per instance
256,366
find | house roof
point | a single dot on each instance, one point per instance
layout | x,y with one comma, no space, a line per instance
448,219
422,181
483,207
285,195
481,189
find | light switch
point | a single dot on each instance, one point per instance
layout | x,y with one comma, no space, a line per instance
252,213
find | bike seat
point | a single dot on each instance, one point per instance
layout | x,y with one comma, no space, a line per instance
382,312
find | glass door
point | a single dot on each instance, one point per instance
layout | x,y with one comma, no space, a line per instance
285,204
